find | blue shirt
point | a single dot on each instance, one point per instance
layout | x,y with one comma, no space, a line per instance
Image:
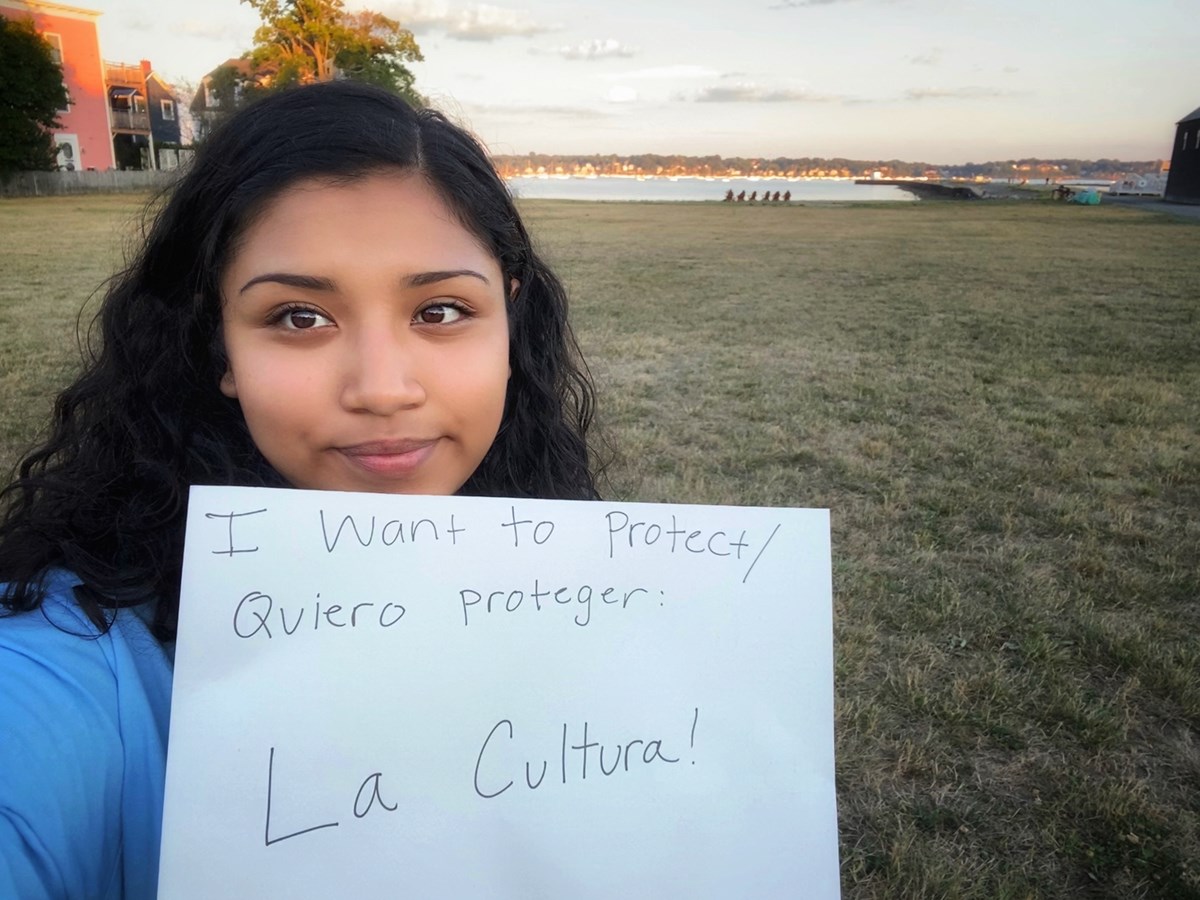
83,749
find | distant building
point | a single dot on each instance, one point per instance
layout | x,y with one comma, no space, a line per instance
125,86
147,118
222,90
209,105
83,137
1183,180
170,122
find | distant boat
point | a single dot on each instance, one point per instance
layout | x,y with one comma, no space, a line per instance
1140,186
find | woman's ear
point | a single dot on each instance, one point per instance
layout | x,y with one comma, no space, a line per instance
228,385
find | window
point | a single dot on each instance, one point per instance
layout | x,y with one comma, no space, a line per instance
1183,146
55,42
168,110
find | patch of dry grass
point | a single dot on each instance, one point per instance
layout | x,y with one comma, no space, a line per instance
56,252
1001,405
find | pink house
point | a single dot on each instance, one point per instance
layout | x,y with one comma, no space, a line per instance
85,137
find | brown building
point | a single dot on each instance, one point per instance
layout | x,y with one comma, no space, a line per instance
129,115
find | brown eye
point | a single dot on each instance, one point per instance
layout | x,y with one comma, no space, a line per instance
439,314
300,319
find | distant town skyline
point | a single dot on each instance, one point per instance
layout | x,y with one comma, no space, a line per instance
914,80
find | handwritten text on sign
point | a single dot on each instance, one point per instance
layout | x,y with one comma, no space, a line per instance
478,697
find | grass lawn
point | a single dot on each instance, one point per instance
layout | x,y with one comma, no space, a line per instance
1001,405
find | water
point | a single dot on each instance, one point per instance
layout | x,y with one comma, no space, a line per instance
696,189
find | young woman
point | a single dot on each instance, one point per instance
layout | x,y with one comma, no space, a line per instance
338,295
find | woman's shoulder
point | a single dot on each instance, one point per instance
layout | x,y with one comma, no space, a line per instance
82,708
57,614
59,634
57,656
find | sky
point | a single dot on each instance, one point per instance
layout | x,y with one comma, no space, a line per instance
918,80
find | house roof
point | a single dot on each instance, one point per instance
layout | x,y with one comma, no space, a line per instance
56,9
162,82
245,67
1191,117
240,65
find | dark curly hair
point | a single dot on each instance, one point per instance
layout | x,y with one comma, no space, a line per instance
105,494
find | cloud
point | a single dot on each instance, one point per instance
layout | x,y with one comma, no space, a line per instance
929,58
621,94
533,109
752,93
212,31
970,92
481,22
1010,70
801,4
664,73
134,22
597,49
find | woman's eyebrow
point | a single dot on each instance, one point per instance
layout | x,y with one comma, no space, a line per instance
316,283
423,278
308,282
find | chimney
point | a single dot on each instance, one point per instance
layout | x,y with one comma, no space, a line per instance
146,68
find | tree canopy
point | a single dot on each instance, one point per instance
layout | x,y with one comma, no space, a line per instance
31,95
318,40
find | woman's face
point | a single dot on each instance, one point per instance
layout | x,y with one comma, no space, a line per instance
367,337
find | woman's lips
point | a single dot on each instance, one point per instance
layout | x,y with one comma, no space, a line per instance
390,458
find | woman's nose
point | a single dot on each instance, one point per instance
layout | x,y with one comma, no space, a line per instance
382,375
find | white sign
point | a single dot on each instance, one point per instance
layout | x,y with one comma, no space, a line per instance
397,696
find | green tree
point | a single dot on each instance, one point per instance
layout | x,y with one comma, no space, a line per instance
31,94
319,40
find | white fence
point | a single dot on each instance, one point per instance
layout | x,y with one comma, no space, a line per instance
50,184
